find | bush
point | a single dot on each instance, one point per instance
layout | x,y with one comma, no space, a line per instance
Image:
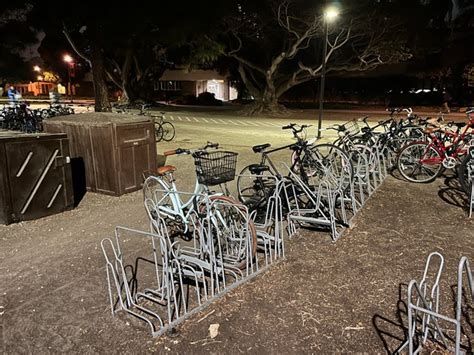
208,99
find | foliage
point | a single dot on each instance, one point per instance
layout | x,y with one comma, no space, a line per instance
16,37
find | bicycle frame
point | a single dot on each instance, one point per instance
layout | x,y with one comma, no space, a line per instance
443,149
266,158
180,210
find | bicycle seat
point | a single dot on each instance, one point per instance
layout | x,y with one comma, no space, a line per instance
258,169
261,147
165,170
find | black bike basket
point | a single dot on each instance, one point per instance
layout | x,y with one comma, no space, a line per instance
214,168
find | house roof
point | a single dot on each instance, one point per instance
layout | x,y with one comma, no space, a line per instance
194,75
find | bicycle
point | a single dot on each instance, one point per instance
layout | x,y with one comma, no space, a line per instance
164,130
314,163
423,161
228,217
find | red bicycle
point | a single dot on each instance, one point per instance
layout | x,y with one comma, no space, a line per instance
423,161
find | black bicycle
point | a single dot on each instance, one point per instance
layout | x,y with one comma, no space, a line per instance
315,164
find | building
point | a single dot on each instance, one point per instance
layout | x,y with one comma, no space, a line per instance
195,82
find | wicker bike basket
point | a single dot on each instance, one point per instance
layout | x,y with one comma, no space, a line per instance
352,127
214,168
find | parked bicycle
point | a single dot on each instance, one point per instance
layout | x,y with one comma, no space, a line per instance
322,163
423,161
228,216
164,130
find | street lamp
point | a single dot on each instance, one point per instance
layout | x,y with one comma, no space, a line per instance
36,68
330,15
70,61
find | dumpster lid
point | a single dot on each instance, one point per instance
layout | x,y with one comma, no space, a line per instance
98,119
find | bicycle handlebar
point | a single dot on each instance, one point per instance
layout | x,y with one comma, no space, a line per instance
179,151
296,130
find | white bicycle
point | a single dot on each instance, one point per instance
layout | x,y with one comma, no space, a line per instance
229,222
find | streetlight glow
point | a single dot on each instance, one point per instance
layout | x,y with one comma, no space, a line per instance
331,13
67,58
37,68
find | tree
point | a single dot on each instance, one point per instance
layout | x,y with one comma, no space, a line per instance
16,37
278,45
142,42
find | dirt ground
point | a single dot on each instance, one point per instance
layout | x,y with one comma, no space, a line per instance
325,297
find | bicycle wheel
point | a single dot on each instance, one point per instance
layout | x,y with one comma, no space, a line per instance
327,164
254,189
419,162
158,132
168,131
463,173
229,226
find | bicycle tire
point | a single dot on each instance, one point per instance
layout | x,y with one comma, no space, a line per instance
240,264
328,164
411,155
251,187
168,131
463,174
158,132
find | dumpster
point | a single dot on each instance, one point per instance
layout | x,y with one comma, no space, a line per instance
116,148
35,176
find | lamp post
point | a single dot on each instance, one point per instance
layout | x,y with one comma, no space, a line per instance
330,14
70,62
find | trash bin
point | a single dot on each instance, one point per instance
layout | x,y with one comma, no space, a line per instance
116,148
35,176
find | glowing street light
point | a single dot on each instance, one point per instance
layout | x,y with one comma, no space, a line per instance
36,68
67,58
330,14
40,78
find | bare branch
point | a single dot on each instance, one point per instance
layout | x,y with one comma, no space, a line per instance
76,49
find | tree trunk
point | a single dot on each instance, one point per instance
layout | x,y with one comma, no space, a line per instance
102,103
266,104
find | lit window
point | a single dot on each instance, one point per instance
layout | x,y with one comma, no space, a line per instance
167,85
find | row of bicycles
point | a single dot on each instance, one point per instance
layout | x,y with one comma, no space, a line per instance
233,225
21,117
164,130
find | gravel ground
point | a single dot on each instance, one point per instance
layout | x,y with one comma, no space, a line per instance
325,297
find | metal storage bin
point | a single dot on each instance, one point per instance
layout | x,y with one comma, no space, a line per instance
116,148
35,176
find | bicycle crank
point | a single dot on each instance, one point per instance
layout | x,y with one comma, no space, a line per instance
449,162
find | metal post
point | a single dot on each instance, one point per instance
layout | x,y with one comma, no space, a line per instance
323,77
69,80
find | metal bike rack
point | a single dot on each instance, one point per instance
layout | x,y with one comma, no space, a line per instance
182,278
423,308
270,231
322,214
